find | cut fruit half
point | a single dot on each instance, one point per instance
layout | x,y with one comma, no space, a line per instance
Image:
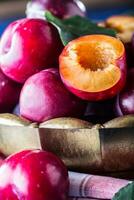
93,67
123,24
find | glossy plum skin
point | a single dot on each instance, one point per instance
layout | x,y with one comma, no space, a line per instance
33,175
9,93
28,46
125,100
60,8
44,97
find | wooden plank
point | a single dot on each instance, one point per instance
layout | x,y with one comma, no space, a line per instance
13,8
106,3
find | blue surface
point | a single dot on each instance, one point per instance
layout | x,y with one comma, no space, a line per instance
102,14
5,22
93,14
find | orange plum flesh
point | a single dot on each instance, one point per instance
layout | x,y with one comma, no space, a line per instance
93,67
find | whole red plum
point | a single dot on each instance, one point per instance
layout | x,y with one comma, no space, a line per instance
9,93
32,175
44,97
27,46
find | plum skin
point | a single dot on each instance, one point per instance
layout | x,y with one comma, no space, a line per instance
9,93
97,112
60,8
44,97
28,46
32,175
125,99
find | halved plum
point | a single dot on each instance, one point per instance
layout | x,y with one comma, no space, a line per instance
93,67
125,100
124,25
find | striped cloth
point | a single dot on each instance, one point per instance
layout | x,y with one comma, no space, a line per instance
82,199
91,186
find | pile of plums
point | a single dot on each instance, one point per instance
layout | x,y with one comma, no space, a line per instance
86,79
41,80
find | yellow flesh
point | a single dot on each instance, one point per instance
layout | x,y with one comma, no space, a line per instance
125,37
121,23
91,65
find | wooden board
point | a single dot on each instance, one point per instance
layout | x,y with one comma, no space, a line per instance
12,8
109,4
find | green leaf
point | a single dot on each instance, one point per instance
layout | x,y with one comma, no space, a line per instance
126,193
75,27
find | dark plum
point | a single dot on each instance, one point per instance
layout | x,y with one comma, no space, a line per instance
45,97
60,8
100,112
9,93
125,100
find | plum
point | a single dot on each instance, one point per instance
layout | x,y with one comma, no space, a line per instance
33,175
124,25
27,46
44,97
100,112
9,93
125,100
60,8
